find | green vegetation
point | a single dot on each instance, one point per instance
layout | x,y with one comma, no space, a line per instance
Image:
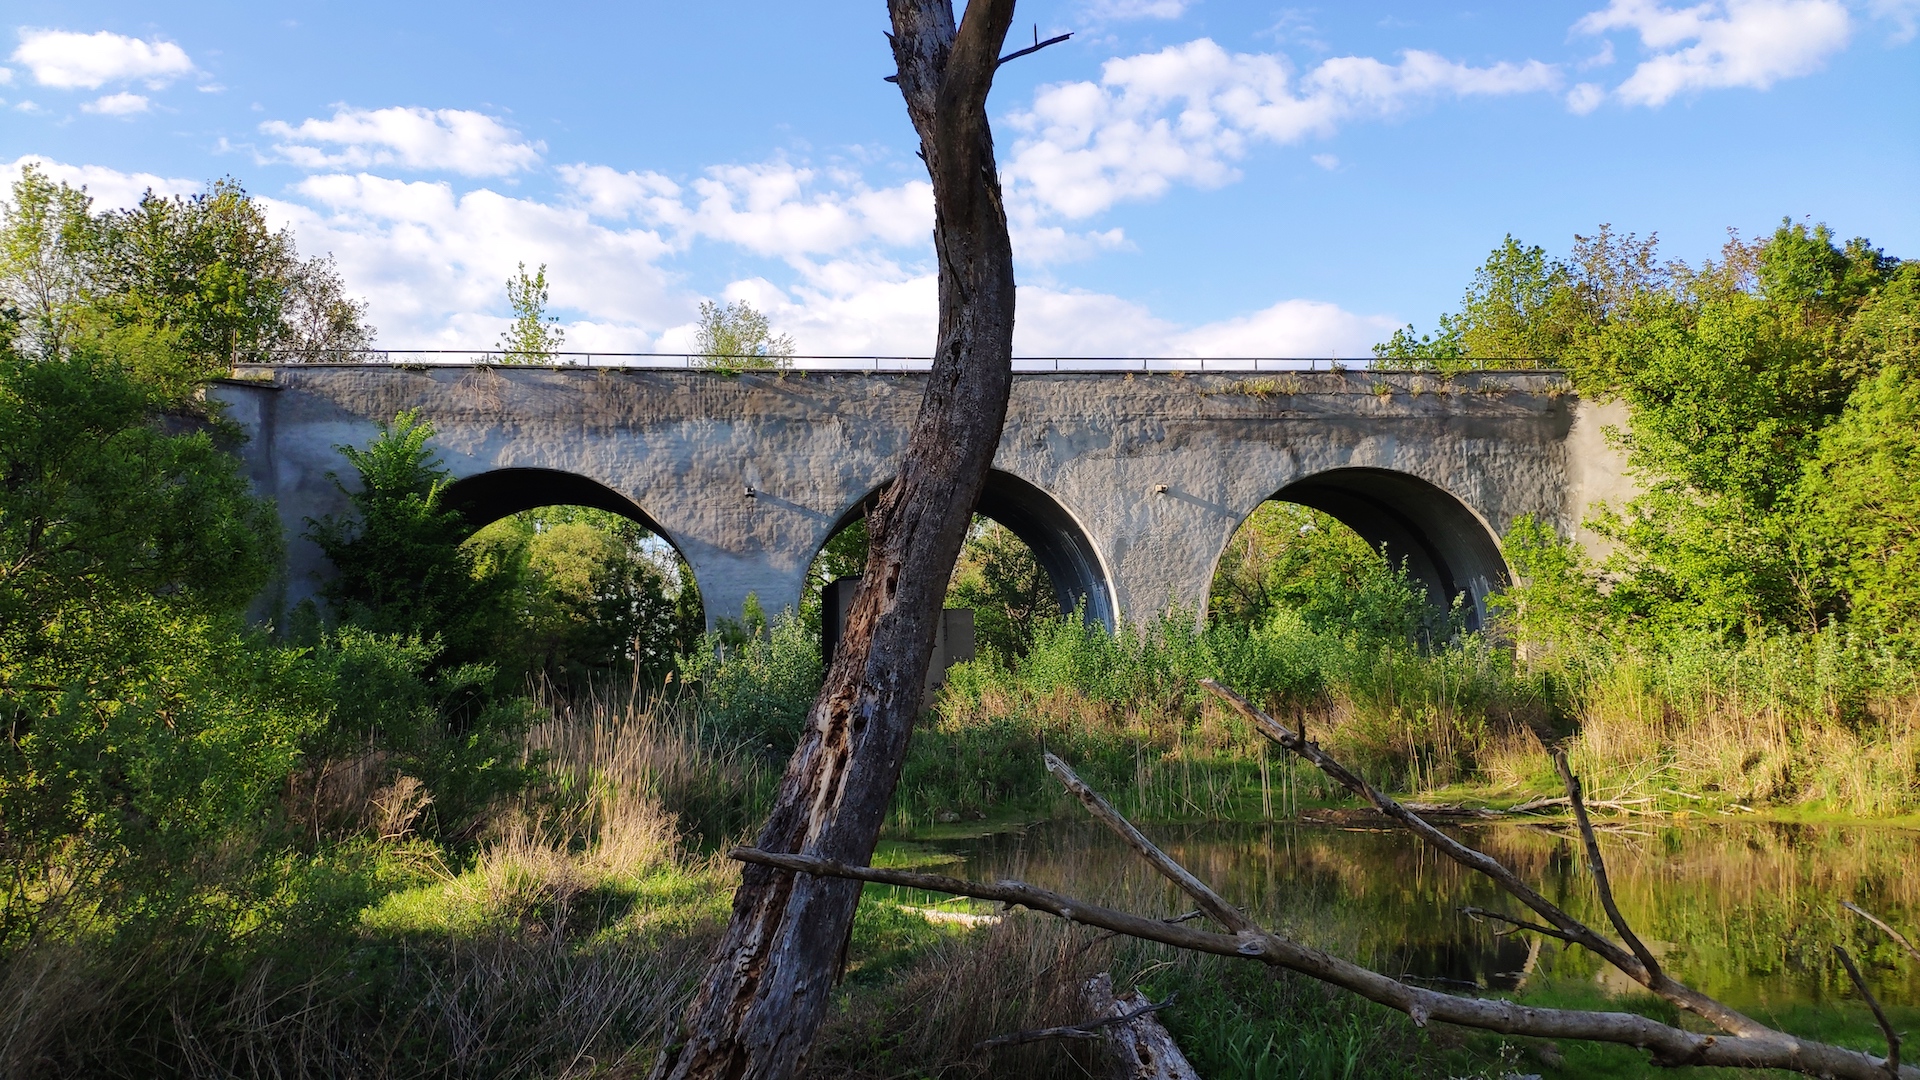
462,817
733,337
534,337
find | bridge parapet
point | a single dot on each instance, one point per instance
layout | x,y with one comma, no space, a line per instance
1127,485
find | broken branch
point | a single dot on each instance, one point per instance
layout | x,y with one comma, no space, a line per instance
1210,902
1886,1026
1727,1019
1896,935
1668,1045
1599,867
1092,1029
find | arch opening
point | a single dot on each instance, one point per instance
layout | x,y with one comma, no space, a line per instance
1443,544
600,584
1065,555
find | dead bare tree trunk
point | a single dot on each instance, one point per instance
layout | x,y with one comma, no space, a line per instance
765,994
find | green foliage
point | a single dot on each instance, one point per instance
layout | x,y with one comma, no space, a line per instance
401,563
999,578
598,595
734,337
204,273
534,337
1289,557
48,241
1862,499
146,731
757,688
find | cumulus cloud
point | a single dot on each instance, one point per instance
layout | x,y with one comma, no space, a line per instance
121,104
1185,114
1721,43
110,188
433,263
70,61
453,140
1586,97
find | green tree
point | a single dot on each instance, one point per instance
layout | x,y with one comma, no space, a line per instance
402,565
209,269
734,337
49,249
1011,596
1287,557
146,732
534,337
202,275
595,598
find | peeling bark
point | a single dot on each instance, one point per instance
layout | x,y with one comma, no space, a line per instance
766,991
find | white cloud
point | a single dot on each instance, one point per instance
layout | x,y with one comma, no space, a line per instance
1290,328
1185,114
1586,97
455,140
433,264
70,61
1328,162
121,104
1721,43
110,188
6,76
1903,14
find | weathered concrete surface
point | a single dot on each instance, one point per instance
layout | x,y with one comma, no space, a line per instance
1128,486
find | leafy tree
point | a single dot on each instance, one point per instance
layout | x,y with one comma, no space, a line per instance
203,274
1011,596
145,730
1288,557
49,245
208,268
735,337
595,599
402,565
534,337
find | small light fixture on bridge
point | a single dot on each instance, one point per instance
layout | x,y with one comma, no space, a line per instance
1159,489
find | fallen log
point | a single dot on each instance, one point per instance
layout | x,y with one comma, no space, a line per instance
1139,1047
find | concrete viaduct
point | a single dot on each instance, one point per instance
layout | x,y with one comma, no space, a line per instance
1127,486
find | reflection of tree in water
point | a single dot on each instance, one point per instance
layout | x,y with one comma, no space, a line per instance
1745,911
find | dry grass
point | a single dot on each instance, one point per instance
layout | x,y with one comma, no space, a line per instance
1022,973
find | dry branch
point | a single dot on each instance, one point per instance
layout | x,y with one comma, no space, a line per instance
1747,1044
1722,1016
1092,1029
1879,1014
1896,935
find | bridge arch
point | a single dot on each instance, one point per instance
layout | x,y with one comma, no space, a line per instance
1446,545
1058,541
486,497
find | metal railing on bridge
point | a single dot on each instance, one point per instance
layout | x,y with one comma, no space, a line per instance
736,363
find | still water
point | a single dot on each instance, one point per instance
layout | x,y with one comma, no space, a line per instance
1745,911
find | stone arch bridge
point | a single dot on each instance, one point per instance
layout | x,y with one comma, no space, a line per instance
1128,486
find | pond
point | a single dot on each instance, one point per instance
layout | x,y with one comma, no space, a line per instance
1746,911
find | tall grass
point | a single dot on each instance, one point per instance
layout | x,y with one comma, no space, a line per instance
1128,710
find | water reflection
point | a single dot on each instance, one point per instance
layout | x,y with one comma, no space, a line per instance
1747,912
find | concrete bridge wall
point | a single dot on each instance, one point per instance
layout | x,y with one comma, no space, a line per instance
1128,486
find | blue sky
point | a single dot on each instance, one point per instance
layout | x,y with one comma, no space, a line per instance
1186,177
